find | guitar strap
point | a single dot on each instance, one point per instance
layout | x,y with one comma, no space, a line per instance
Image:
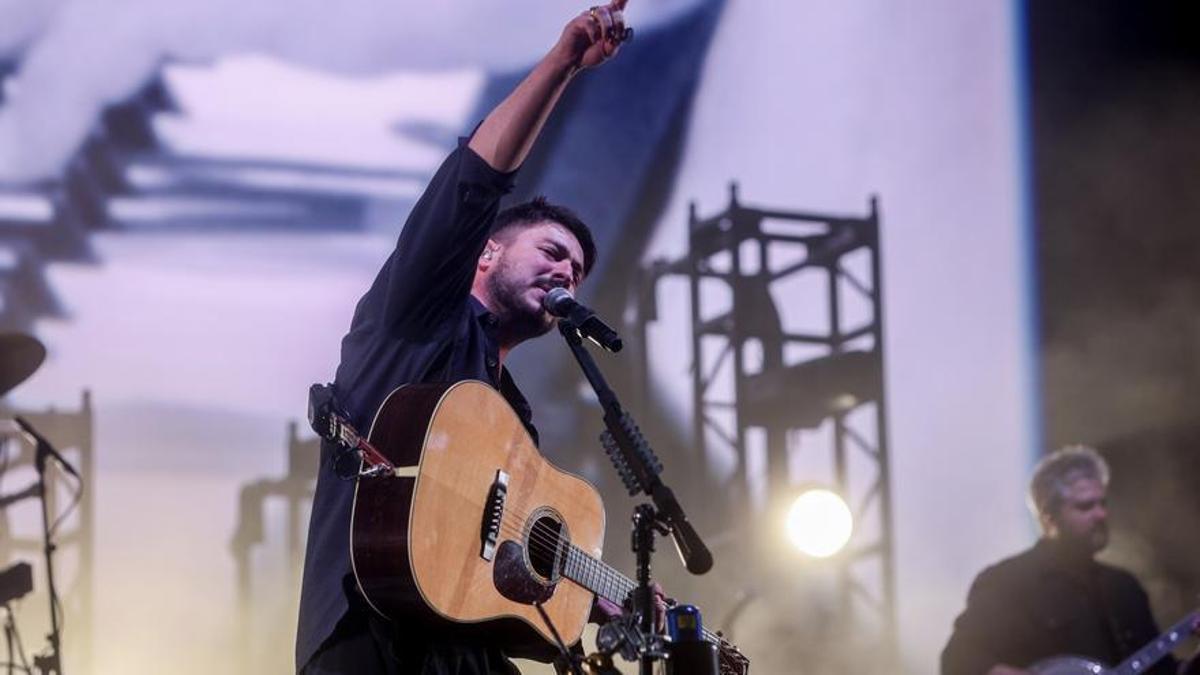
331,423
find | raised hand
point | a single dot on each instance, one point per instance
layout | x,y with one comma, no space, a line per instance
506,135
594,36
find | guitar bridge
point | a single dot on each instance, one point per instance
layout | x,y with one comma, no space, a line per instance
493,513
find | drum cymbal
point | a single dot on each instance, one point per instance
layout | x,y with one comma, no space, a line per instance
20,356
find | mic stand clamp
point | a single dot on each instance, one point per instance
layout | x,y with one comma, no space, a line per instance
645,525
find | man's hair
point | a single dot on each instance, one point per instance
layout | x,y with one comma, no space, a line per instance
539,210
1057,471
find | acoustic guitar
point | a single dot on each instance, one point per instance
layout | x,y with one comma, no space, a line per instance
1141,661
468,525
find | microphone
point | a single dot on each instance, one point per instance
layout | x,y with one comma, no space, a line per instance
559,302
45,446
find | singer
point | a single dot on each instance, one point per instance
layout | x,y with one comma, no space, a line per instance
463,287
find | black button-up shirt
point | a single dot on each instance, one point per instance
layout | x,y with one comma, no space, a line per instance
417,323
1041,604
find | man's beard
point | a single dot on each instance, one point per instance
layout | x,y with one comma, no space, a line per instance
517,319
1088,542
1098,537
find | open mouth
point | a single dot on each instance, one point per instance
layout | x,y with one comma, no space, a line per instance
545,287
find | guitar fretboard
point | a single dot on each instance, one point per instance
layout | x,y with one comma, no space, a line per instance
602,579
597,576
1147,656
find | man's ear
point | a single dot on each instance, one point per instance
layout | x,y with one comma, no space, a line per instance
490,250
1049,527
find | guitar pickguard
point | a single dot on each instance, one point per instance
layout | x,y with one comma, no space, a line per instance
514,580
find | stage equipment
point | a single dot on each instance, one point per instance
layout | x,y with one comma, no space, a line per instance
755,381
819,523
20,357
688,653
295,490
640,469
67,438
15,582
50,663
559,302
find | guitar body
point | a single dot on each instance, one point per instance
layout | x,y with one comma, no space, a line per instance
1068,665
418,541
1139,662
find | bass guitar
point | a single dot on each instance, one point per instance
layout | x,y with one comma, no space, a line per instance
1141,661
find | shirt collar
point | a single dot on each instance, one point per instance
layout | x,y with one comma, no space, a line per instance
1058,558
508,387
481,313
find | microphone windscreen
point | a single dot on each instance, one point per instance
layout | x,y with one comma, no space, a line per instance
558,301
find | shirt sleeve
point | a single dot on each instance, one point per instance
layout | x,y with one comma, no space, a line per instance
431,269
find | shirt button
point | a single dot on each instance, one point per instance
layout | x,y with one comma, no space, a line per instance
491,362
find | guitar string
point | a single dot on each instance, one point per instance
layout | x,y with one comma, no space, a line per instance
603,576
548,542
545,543
607,572
541,540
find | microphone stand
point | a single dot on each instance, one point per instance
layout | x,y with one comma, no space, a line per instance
51,663
639,469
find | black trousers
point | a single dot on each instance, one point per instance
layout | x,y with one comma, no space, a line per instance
364,644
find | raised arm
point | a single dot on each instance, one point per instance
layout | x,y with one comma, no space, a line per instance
507,134
434,261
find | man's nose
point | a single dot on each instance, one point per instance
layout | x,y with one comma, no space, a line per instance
561,273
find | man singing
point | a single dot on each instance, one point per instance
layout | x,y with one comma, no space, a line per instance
462,288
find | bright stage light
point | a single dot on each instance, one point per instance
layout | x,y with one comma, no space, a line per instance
819,523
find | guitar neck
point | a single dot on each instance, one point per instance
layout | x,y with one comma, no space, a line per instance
1147,656
605,581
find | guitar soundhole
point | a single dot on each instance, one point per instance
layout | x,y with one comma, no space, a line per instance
546,546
